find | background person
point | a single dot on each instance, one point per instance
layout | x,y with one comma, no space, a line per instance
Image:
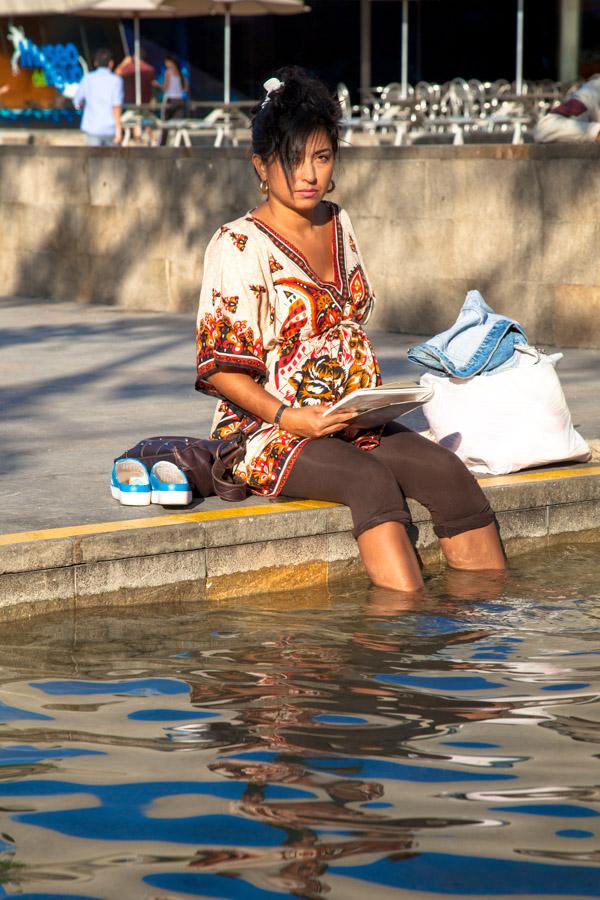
576,119
126,69
279,338
101,94
174,92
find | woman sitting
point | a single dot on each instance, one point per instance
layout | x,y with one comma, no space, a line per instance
280,338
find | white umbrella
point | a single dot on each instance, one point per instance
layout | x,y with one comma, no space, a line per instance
182,8
40,7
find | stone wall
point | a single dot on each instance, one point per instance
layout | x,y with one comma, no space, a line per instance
129,227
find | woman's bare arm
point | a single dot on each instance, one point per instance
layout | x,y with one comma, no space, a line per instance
305,421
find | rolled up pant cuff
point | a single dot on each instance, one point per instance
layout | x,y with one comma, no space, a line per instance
469,523
379,519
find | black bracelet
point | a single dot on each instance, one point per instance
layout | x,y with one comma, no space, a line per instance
278,414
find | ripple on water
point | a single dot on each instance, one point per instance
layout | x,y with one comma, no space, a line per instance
297,745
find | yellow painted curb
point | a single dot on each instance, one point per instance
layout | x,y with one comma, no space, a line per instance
212,515
237,512
554,475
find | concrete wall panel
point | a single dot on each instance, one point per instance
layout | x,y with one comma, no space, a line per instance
130,227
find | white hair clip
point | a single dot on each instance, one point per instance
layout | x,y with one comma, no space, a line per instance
270,85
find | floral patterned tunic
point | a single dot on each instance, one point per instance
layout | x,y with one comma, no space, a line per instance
265,312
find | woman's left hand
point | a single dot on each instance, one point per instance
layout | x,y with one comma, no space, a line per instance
311,421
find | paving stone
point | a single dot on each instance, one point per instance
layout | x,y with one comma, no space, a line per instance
239,558
338,518
31,556
272,526
268,580
573,517
523,523
544,492
340,547
162,570
37,588
139,542
180,592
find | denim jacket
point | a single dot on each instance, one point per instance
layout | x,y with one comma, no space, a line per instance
479,341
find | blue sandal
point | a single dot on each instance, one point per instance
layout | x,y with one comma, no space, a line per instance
169,485
129,483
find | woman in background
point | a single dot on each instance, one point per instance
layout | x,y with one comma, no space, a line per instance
174,90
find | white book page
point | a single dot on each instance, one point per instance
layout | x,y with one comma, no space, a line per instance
378,398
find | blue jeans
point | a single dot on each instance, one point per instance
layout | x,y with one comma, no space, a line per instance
479,341
100,140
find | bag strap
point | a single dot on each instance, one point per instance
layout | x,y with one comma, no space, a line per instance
227,455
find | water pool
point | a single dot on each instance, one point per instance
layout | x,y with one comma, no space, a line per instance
347,745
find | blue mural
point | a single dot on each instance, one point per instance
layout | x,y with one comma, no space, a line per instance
57,65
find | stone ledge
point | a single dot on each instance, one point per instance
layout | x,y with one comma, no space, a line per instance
379,151
123,227
232,552
577,490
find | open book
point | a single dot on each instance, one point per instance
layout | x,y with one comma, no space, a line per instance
383,404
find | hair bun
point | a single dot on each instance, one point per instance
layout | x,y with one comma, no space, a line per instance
295,106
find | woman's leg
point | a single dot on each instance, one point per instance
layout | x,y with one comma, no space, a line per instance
389,557
332,469
439,480
173,109
475,550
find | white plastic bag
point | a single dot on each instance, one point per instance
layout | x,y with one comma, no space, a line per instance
506,421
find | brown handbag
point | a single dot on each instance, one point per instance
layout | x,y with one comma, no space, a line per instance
208,465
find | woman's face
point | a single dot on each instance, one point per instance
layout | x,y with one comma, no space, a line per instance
310,179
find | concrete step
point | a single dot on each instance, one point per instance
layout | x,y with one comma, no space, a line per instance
235,551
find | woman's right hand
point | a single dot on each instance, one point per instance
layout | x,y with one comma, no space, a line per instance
311,421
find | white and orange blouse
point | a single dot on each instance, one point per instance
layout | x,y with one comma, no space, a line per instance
264,311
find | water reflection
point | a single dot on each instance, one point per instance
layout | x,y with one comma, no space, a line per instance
286,746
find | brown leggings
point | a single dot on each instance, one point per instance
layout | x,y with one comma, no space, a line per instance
375,483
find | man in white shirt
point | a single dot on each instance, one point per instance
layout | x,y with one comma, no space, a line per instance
101,95
576,119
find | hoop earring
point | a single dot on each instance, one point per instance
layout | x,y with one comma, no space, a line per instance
331,186
264,187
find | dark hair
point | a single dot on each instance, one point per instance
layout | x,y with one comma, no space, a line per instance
282,124
175,62
102,58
